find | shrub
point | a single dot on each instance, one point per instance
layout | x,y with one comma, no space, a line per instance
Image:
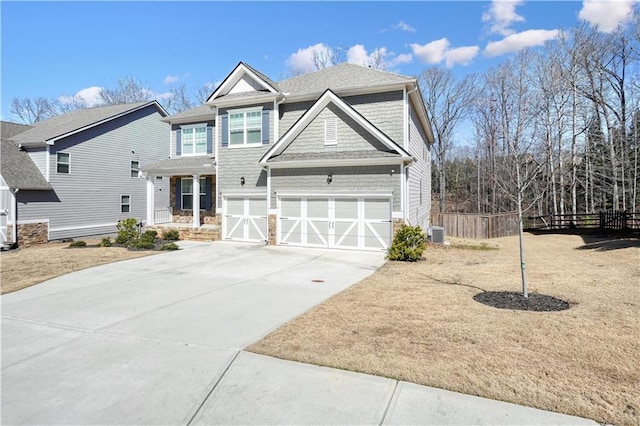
78,244
105,242
171,235
127,230
408,244
149,235
170,246
141,245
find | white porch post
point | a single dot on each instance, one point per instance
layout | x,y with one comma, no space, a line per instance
196,201
150,200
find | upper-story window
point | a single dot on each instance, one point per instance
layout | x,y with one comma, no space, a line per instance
193,140
245,127
63,162
135,168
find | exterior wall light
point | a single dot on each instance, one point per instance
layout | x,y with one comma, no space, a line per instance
329,178
242,181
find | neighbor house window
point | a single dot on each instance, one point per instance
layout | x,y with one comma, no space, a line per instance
331,131
125,203
63,162
187,193
194,140
245,127
135,166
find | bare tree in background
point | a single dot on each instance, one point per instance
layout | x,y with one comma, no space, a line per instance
32,110
129,90
326,58
448,101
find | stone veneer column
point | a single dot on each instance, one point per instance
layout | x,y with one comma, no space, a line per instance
273,230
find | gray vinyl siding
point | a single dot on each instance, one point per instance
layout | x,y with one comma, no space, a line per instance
419,174
353,179
39,158
351,136
87,200
235,163
385,110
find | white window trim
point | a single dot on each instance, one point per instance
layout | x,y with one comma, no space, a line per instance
333,121
202,188
243,111
123,204
194,153
68,163
136,169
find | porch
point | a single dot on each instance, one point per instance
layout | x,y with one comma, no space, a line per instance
205,232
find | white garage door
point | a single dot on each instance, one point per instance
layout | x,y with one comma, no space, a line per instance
362,223
244,218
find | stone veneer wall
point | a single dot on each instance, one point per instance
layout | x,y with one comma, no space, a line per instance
273,229
30,234
207,217
212,231
397,224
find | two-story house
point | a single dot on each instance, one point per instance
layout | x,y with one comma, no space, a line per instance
336,158
77,174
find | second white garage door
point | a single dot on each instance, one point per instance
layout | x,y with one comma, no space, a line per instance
350,222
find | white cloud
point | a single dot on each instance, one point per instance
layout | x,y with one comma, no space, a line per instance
302,60
438,51
160,96
170,79
431,53
378,58
403,26
460,55
89,97
607,15
515,42
357,54
403,58
501,15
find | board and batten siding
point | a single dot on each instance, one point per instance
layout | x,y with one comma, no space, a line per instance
354,179
235,163
87,200
419,182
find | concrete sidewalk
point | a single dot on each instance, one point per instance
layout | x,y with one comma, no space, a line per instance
158,340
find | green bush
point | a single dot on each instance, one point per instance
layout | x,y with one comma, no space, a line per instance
78,244
105,242
149,235
141,245
170,246
127,230
171,235
408,244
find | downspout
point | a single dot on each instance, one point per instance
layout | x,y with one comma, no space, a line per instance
14,229
276,136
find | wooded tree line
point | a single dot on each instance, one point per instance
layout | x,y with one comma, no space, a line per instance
555,129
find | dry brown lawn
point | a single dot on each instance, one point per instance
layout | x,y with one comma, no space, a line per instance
25,267
418,322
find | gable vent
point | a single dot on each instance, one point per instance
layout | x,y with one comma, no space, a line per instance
331,131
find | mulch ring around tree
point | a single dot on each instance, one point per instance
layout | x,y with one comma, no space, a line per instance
513,300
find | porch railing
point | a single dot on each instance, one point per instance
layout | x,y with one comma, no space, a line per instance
162,215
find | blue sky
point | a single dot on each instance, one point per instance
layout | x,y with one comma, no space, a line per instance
55,49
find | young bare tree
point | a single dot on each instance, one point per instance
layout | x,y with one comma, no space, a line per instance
129,90
448,101
32,110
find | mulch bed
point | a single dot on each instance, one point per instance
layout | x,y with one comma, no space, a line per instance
513,300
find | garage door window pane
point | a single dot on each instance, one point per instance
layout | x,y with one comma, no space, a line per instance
318,208
377,209
347,208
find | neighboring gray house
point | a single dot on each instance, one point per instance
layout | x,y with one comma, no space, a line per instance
77,174
337,158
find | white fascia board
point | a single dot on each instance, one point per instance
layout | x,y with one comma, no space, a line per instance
180,172
234,77
340,162
312,113
336,194
244,194
259,98
421,111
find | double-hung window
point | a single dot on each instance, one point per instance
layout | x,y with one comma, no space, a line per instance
194,139
63,162
125,203
135,167
187,193
245,127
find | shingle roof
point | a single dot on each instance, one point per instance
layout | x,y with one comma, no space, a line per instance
74,120
182,165
340,155
18,170
339,77
201,111
9,129
262,76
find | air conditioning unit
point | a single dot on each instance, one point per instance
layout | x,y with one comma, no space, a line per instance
437,234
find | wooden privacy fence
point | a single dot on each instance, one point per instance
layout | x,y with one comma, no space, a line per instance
476,226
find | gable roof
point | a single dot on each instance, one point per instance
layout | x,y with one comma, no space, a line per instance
81,119
201,112
243,69
329,97
340,77
17,168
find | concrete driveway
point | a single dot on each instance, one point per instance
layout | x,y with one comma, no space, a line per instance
158,340
145,340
